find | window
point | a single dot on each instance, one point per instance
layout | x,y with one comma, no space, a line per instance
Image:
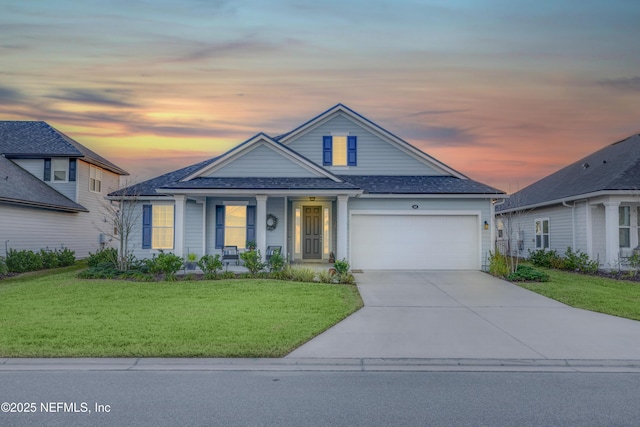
339,150
95,179
235,225
624,221
157,226
542,233
60,169
500,227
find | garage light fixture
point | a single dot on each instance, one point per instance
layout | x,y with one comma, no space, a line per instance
486,225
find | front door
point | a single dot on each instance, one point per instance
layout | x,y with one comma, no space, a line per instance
312,232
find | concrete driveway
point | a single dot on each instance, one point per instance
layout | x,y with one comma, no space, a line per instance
469,314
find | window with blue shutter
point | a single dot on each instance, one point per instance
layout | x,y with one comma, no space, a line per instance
352,151
47,169
327,143
251,223
219,227
146,226
72,169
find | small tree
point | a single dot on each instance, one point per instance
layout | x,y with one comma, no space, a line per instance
122,218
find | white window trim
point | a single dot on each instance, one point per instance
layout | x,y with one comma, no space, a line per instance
542,233
154,227
60,161
98,171
626,227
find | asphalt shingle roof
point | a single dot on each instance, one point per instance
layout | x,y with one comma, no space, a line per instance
270,183
39,139
18,186
615,167
390,184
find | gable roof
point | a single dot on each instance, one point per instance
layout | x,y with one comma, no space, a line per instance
372,127
19,187
613,168
261,138
37,139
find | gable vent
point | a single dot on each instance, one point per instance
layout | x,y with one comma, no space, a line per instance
585,166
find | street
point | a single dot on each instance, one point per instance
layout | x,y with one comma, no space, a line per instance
289,398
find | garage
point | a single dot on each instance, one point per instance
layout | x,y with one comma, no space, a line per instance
415,241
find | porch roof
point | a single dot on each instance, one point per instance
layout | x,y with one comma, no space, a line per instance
389,184
250,183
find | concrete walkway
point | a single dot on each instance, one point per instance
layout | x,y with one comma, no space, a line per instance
468,315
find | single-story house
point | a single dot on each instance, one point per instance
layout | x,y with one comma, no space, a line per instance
592,206
337,184
51,190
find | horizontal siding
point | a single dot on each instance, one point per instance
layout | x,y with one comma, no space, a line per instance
193,238
375,155
34,229
275,206
260,162
34,166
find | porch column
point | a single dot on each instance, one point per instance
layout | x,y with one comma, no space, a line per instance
261,223
611,230
342,231
179,225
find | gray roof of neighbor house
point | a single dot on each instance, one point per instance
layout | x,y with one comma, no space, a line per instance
613,168
35,139
17,186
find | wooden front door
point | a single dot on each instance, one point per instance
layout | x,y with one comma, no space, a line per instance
312,232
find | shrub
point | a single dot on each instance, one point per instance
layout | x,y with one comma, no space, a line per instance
66,257
342,266
106,255
3,266
228,275
49,258
276,262
22,261
165,263
498,265
210,265
524,273
252,261
544,258
579,261
301,275
326,277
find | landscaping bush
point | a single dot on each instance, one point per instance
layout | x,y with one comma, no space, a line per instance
544,258
252,261
343,272
22,261
525,273
106,255
498,265
276,262
49,258
66,257
167,264
210,265
579,261
3,266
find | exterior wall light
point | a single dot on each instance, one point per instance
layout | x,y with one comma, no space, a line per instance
486,225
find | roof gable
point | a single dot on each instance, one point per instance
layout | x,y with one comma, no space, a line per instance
613,168
37,139
411,153
261,156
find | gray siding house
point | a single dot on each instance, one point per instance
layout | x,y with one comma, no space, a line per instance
339,184
592,205
51,190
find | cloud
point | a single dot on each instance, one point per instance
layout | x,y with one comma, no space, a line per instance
435,112
9,96
624,84
106,97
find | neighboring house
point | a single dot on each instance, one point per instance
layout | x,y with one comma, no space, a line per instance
338,184
51,190
592,205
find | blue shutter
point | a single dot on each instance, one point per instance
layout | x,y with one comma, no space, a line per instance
251,223
219,227
47,169
352,150
72,169
327,144
146,226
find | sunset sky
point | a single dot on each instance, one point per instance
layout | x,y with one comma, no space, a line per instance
503,91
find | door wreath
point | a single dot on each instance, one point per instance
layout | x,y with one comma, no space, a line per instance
272,222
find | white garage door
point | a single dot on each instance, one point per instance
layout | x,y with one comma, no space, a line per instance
415,242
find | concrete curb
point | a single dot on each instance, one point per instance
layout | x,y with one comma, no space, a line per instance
311,364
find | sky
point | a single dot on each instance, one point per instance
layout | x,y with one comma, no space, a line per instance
504,91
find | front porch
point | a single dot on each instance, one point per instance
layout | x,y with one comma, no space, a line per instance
309,229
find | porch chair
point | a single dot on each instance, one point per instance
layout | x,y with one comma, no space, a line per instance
272,250
230,253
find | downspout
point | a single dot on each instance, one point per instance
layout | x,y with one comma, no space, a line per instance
573,223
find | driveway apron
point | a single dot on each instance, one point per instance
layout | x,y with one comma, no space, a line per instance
468,314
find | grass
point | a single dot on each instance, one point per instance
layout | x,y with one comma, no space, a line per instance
616,297
56,314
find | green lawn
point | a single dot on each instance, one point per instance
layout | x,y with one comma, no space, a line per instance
58,315
617,297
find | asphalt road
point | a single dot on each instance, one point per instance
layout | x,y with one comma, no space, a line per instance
285,398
